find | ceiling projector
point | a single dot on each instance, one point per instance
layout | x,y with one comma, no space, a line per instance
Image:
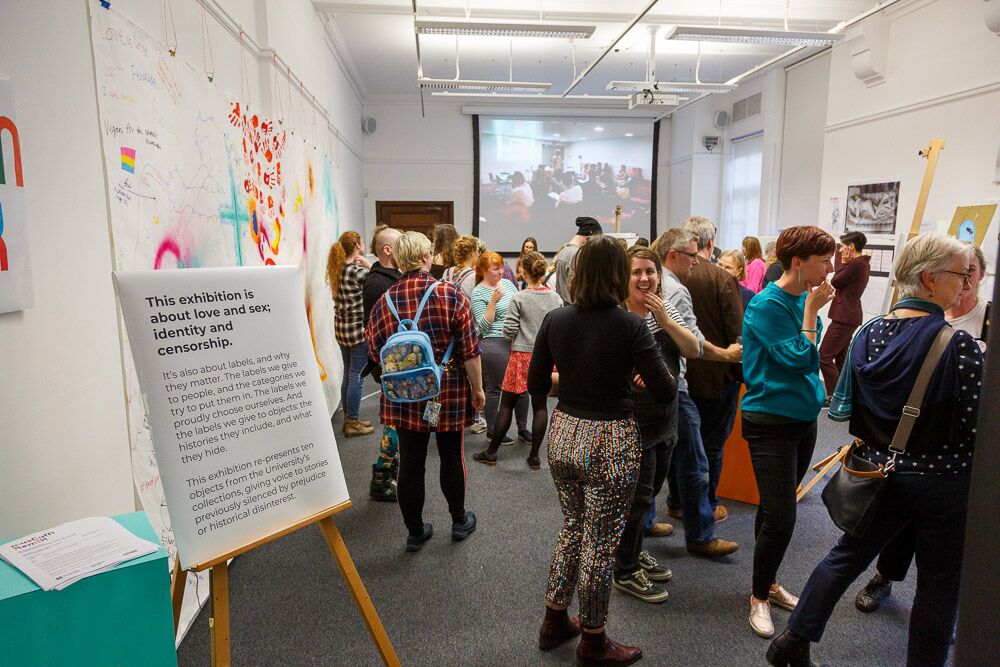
653,97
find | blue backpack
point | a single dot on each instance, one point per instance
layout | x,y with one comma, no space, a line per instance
409,372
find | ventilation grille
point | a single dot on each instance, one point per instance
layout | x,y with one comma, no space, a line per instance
748,107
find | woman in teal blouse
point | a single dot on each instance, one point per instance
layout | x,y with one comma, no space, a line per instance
781,332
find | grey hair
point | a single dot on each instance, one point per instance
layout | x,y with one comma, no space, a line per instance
702,228
673,239
926,252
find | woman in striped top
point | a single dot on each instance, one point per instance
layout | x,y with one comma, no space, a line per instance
490,301
346,270
524,317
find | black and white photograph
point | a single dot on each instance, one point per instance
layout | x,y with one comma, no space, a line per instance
871,208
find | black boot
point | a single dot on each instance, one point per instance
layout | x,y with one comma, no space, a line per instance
789,650
394,468
382,486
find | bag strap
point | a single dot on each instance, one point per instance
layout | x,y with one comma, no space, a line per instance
409,325
423,301
912,408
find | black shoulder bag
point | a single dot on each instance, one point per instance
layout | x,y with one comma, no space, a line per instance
852,495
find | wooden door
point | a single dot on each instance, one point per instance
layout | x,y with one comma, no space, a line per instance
418,216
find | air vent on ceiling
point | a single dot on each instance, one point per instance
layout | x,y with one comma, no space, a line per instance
748,107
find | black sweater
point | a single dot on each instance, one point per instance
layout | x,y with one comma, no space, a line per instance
595,351
379,280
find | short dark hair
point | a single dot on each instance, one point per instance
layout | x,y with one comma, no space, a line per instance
856,239
601,275
803,242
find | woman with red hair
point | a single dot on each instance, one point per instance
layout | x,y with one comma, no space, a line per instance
781,332
490,301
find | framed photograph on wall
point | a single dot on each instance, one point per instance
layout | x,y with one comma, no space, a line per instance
871,208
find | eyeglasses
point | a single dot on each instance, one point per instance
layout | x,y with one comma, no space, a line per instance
966,277
691,255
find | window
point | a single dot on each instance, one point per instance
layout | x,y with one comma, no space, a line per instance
741,210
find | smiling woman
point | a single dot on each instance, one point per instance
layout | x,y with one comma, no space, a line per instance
783,398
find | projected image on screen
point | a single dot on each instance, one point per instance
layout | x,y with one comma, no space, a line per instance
536,177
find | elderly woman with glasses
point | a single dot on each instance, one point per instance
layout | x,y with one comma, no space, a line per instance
927,489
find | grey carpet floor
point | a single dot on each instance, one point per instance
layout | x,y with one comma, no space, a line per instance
480,602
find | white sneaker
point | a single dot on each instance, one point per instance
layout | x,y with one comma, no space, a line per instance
760,618
782,598
478,426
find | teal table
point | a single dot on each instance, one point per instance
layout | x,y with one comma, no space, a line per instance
120,617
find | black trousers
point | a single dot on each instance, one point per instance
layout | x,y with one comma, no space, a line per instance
410,483
780,454
894,561
652,472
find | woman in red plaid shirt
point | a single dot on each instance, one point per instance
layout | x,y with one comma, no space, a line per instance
447,315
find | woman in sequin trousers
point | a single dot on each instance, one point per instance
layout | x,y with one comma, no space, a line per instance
593,444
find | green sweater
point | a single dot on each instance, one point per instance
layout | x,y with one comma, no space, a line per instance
780,365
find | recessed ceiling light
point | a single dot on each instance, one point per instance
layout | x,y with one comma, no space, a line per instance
598,129
699,33
502,29
556,134
629,134
468,84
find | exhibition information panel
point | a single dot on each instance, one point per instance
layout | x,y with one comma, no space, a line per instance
235,403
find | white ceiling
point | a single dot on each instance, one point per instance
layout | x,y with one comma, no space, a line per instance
381,48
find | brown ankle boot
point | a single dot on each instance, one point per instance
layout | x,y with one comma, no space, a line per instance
557,629
353,427
597,650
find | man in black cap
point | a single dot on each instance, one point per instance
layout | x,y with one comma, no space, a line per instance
566,258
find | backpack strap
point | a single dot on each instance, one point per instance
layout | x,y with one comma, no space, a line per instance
404,325
423,302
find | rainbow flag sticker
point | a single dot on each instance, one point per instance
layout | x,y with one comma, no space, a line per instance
128,159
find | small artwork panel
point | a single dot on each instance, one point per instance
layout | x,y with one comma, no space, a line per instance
871,208
971,222
16,292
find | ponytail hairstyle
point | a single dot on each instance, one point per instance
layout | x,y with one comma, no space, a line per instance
533,266
335,261
465,247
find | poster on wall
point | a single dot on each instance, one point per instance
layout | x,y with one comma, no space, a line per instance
235,403
835,219
198,179
16,291
970,223
871,208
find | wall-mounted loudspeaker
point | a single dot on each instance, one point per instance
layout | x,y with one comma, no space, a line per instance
721,119
368,125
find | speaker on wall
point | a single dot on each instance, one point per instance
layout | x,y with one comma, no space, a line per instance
721,119
368,125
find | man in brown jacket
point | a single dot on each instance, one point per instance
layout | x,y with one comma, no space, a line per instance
714,386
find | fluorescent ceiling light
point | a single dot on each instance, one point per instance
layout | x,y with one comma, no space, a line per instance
470,84
629,134
502,29
598,129
699,33
673,86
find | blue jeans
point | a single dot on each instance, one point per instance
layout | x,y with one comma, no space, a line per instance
717,418
692,473
355,359
933,506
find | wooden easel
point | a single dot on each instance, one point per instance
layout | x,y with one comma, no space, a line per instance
931,153
219,620
618,218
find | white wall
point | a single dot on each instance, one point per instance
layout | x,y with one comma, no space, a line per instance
942,81
806,89
64,452
414,158
696,176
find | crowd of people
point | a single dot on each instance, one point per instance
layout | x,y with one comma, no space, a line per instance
646,349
